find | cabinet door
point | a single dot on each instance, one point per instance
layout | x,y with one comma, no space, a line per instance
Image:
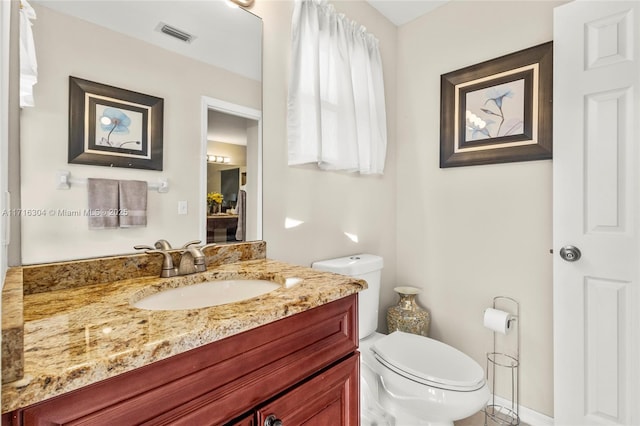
330,398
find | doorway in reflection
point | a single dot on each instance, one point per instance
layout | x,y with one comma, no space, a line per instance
229,140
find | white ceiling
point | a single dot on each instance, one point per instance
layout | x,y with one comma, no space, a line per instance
402,11
230,38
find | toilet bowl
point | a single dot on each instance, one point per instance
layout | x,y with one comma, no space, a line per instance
406,379
421,381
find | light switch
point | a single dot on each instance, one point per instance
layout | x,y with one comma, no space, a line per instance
183,207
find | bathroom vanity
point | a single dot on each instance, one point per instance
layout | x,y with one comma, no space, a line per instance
289,355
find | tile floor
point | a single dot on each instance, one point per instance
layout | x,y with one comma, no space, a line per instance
475,420
478,420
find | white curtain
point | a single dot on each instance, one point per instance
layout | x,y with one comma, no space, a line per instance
336,107
28,62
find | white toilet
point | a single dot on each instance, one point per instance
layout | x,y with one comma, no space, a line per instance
406,379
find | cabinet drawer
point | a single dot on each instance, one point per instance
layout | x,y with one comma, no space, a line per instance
227,378
329,398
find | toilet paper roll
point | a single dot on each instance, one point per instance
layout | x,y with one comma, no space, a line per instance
497,320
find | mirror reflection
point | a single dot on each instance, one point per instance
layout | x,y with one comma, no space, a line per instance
231,139
122,44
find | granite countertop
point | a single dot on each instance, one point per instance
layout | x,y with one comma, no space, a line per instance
80,335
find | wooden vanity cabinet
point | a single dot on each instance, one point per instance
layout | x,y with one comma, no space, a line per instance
303,368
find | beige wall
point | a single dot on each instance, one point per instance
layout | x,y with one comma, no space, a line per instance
463,235
65,48
328,203
471,233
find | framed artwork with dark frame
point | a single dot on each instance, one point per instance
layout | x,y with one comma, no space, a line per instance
498,111
114,127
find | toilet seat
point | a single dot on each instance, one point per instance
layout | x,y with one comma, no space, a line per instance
429,362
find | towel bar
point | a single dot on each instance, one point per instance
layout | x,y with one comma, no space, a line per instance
64,181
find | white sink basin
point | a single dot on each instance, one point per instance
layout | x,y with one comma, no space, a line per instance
202,295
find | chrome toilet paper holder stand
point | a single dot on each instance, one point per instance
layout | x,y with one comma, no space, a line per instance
500,414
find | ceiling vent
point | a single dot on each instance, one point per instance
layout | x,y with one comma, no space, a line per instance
175,32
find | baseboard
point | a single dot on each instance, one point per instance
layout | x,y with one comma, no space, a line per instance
527,415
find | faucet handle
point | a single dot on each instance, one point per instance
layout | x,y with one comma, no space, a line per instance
190,243
168,270
207,246
197,254
196,251
192,260
142,247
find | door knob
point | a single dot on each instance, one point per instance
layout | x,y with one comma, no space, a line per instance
272,420
570,253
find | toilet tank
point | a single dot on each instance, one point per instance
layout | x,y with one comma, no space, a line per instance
367,267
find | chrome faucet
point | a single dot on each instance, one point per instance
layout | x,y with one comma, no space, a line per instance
192,258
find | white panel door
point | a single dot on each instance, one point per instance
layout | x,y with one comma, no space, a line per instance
596,194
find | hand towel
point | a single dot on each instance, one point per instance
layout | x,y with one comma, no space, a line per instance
242,218
103,203
133,203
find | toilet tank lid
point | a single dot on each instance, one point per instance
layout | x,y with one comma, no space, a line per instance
356,264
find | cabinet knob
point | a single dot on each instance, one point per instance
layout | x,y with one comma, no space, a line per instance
272,420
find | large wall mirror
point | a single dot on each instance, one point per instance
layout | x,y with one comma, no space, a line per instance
203,58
